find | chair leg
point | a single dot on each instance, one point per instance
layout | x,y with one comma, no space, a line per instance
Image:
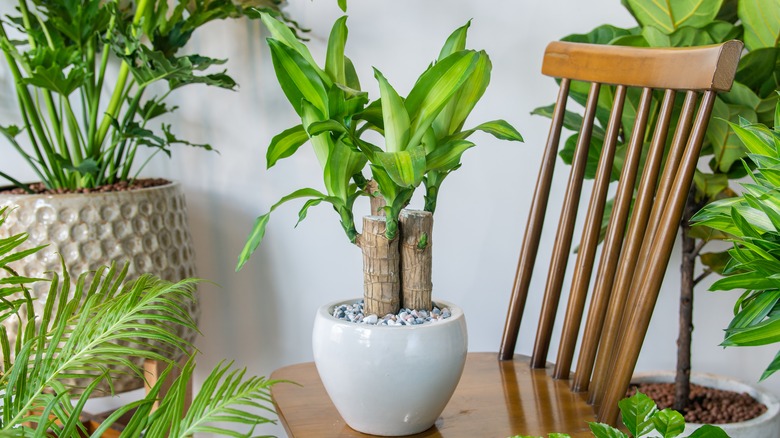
154,370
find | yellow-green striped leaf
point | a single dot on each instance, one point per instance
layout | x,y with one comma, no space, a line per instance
394,116
500,129
447,156
455,42
297,77
405,168
280,32
435,88
285,144
334,60
472,90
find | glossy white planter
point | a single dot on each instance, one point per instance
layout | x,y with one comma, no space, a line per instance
389,380
764,426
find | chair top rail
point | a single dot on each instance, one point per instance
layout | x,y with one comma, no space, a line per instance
691,68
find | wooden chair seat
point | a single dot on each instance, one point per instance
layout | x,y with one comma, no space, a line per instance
493,399
506,394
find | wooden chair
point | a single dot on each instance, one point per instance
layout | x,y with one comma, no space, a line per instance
515,394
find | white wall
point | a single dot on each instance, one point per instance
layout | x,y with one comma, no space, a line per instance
262,316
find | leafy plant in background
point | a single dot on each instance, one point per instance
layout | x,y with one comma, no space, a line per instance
642,418
85,332
752,222
752,97
75,137
423,133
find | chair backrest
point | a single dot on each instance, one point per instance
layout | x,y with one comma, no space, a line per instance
643,223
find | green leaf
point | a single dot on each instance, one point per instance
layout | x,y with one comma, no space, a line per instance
455,42
709,431
716,261
500,129
756,70
756,310
343,5
335,61
343,162
282,33
405,168
472,90
394,116
669,423
601,430
258,229
317,128
772,368
727,147
767,332
637,413
434,89
447,157
285,144
670,16
298,78
761,19
756,138
604,34
54,79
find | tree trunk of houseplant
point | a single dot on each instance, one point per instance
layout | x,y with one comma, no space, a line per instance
690,250
381,266
416,228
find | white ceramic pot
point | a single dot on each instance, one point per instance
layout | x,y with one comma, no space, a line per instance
146,228
764,426
389,380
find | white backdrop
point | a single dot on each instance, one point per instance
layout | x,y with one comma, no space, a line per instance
262,316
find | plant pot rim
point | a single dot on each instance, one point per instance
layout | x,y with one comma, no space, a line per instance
170,184
326,311
771,402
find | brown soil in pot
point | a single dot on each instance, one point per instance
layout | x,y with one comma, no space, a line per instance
708,405
121,186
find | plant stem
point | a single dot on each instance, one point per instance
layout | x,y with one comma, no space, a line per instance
682,381
116,98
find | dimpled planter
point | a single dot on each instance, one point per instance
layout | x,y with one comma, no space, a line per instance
389,380
146,228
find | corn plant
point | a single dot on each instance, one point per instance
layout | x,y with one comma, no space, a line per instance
423,135
89,330
752,222
75,137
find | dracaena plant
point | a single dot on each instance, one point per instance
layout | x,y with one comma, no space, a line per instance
752,222
86,332
82,126
423,138
423,134
752,97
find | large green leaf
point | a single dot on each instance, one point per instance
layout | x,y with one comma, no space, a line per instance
472,90
761,19
298,78
637,412
335,62
672,15
434,89
688,36
709,431
455,42
54,79
601,430
405,168
447,156
758,70
394,116
604,34
726,145
282,33
342,163
669,423
285,144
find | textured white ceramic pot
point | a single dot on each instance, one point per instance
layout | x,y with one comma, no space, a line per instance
389,380
764,426
147,228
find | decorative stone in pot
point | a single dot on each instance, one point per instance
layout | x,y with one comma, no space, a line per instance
764,426
147,228
389,380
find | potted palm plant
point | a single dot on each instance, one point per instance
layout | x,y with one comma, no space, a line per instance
93,328
752,223
92,77
396,334
752,97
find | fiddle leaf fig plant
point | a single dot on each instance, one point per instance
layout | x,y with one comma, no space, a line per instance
86,332
423,138
81,128
752,223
